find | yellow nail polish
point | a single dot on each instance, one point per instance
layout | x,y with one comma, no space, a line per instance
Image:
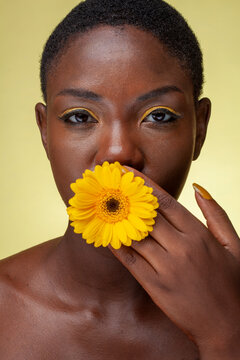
202,191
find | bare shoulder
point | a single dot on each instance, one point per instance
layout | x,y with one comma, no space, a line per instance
24,292
18,271
18,266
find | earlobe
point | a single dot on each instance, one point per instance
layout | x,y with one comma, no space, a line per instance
203,115
41,118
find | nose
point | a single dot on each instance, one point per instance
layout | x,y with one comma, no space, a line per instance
120,142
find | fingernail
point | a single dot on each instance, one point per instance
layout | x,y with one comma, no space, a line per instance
202,191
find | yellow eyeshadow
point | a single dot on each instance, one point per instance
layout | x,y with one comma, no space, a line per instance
68,111
159,108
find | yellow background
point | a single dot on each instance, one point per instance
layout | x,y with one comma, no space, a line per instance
31,209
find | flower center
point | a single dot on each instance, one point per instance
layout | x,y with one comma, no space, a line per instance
112,206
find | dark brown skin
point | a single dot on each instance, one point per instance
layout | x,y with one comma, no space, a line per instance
65,299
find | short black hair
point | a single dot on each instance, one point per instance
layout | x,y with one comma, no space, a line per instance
154,16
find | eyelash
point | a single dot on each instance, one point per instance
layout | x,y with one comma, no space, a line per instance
164,111
66,116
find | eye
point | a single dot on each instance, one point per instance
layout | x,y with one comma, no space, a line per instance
78,116
160,115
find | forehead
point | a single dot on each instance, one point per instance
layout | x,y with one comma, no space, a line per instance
116,60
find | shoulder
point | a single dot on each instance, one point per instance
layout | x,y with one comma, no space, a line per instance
17,272
21,283
17,267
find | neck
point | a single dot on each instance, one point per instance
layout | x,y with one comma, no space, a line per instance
94,273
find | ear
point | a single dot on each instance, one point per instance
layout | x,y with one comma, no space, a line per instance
41,117
203,113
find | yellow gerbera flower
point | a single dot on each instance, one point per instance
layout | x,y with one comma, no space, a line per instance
111,206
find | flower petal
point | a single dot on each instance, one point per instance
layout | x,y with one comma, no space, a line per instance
144,205
116,178
107,177
139,180
131,230
90,240
92,228
86,187
83,214
78,226
131,189
79,204
115,242
141,196
107,234
75,188
98,242
121,232
128,242
149,221
137,222
141,212
126,180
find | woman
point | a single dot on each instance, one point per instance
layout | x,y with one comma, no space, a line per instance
121,81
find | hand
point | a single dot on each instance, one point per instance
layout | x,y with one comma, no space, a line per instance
191,272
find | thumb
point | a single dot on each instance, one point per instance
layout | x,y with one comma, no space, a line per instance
218,221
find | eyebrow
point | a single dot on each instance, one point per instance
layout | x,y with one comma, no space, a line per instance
86,94
158,92
82,93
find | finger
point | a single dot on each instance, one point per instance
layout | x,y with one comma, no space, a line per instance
153,252
139,267
217,220
163,239
165,234
172,210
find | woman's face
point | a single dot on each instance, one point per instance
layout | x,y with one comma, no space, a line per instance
117,95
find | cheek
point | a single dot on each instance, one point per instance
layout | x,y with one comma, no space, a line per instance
69,157
170,160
